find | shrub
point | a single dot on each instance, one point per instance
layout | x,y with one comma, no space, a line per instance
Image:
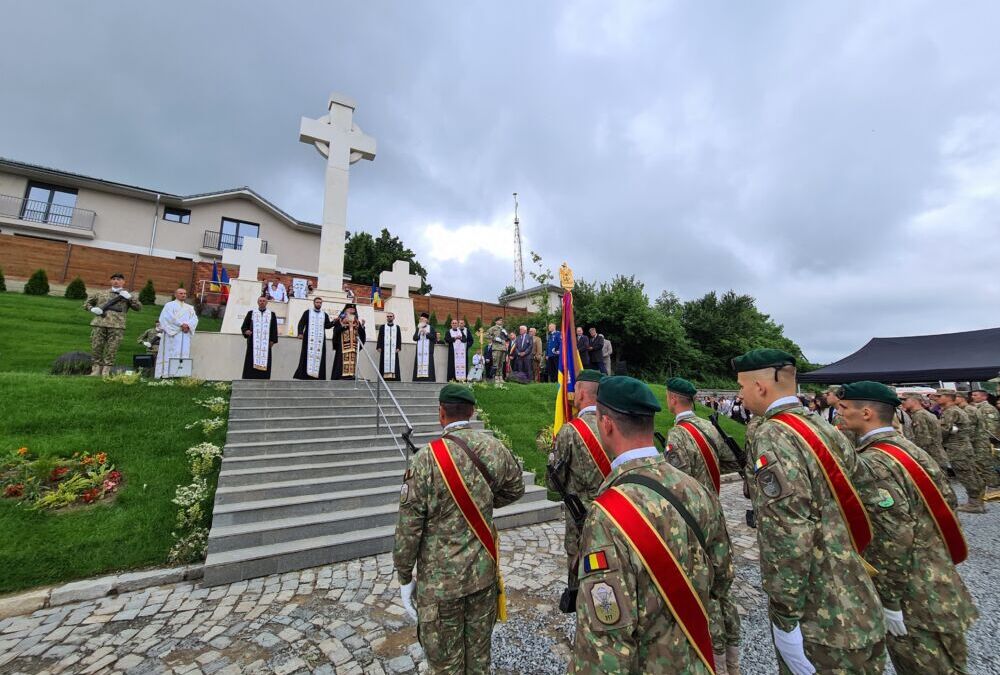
479,324
447,321
38,284
76,290
433,320
147,295
72,363
3,282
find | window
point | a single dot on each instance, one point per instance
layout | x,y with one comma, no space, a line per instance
233,231
48,204
177,215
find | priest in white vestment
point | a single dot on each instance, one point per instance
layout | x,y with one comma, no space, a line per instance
178,321
425,336
390,341
455,336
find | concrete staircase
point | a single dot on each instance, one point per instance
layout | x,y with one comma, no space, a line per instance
307,481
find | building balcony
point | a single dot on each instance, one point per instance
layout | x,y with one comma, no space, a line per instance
47,217
214,243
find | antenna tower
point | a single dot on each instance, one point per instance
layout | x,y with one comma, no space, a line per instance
518,253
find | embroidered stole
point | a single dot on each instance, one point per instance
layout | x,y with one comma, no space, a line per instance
349,350
458,350
316,337
261,338
389,351
423,354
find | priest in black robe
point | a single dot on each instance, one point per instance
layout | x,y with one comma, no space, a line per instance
426,337
260,328
390,341
348,335
458,346
312,358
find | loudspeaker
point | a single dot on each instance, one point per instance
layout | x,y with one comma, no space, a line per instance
143,361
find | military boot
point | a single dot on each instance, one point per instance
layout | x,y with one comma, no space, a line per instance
105,371
720,661
732,660
973,506
95,370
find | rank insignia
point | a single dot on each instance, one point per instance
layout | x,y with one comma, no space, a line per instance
404,492
606,607
595,562
885,499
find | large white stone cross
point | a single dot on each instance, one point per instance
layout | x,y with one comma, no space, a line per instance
342,142
250,259
399,280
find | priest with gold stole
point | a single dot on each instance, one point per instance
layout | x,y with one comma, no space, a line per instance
348,335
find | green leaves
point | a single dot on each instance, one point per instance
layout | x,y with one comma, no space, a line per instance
365,257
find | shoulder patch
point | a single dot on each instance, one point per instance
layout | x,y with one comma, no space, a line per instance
771,481
674,457
885,499
603,605
404,493
605,600
595,562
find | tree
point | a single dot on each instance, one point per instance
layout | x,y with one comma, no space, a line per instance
507,290
479,324
447,321
669,304
76,290
433,320
38,284
366,257
147,295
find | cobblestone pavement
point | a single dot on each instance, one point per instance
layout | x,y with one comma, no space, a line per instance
343,618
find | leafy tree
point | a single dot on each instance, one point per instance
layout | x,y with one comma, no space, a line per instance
447,321
366,257
507,290
3,282
479,324
76,290
669,304
147,295
433,319
38,284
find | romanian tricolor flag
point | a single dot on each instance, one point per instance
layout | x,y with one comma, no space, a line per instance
569,365
595,562
224,282
213,286
376,296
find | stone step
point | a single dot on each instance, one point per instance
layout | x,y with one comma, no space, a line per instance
308,432
279,530
301,421
256,460
320,385
270,470
405,400
359,444
302,505
276,489
245,563
238,412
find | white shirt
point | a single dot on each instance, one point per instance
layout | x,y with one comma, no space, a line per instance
861,441
456,425
784,400
682,415
635,453
589,408
278,293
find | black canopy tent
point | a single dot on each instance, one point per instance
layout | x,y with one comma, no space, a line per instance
971,356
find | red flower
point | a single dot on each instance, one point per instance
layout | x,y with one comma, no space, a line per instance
115,476
102,458
58,473
15,490
91,495
86,460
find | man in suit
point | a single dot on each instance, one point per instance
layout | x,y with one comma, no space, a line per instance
523,346
583,347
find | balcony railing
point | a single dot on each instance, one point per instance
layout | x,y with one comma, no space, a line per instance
35,211
220,241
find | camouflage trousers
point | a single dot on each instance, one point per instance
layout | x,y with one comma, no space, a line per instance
921,651
571,542
731,617
868,660
963,462
104,344
986,464
456,634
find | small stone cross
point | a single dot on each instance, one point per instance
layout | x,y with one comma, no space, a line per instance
399,280
250,259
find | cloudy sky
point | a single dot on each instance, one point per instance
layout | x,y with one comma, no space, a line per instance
839,160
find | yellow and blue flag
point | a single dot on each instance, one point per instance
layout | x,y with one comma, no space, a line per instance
214,285
376,296
569,365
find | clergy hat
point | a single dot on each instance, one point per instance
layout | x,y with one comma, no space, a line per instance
679,385
628,396
589,375
117,275
867,390
456,393
758,359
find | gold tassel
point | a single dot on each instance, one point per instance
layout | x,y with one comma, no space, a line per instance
501,599
868,567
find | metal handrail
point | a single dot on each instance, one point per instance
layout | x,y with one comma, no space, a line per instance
377,395
220,241
35,211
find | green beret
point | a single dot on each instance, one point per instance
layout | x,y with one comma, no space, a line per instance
627,395
868,391
117,275
757,359
679,385
589,375
456,393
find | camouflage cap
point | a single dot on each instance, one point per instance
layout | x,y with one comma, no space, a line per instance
962,393
117,275
679,385
945,392
911,394
456,393
866,390
757,359
627,395
589,375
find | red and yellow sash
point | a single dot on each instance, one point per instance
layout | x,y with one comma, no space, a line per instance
473,516
593,446
859,526
944,518
666,572
711,461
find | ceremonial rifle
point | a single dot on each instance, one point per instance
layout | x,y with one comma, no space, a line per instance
741,460
112,302
573,504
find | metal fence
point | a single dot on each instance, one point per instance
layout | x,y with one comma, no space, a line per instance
221,241
35,211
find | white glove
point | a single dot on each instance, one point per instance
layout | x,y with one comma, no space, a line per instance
125,294
894,622
406,594
96,310
147,344
792,651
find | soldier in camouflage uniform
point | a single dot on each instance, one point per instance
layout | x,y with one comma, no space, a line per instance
980,438
926,604
834,415
991,416
108,325
926,430
824,610
956,435
150,338
623,622
571,461
496,337
456,578
683,453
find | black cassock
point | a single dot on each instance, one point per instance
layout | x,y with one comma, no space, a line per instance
249,372
382,355
432,338
345,364
464,337
301,373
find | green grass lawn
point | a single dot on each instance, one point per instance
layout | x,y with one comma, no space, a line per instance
142,430
35,330
521,411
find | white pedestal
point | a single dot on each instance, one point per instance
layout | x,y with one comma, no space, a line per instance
242,298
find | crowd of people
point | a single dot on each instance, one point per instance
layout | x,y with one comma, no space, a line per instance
524,356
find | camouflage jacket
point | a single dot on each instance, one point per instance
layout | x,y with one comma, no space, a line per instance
915,571
683,452
635,632
577,469
979,436
990,415
497,336
810,571
431,531
151,336
927,432
956,430
852,438
113,317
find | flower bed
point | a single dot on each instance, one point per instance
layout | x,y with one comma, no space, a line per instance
49,483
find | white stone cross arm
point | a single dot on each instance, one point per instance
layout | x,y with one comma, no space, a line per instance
399,280
250,259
